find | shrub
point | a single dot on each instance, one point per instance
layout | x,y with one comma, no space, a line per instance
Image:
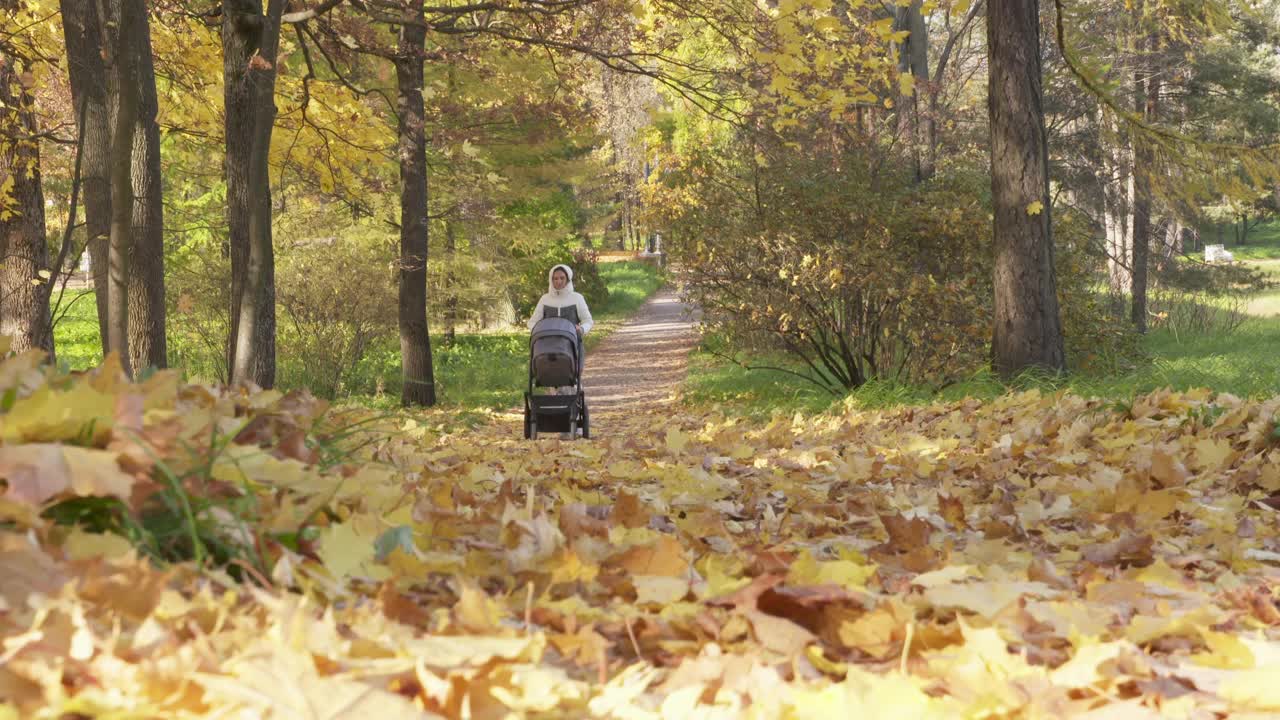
1199,298
845,262
1096,339
198,300
336,296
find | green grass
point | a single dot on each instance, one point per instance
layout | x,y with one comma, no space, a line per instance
1267,303
630,283
1244,363
1263,242
474,372
76,335
714,381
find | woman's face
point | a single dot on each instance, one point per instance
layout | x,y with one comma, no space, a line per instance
559,279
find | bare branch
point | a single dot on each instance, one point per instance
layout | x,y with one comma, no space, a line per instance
309,13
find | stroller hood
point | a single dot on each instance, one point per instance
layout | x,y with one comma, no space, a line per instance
554,327
555,355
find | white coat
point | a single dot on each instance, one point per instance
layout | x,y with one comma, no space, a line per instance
562,298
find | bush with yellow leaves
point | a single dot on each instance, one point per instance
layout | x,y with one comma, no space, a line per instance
843,261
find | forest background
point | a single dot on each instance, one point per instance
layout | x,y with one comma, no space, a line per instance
276,210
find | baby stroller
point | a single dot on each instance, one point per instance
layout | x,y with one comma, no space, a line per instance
555,361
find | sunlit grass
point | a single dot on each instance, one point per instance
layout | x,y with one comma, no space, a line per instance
1262,243
1245,363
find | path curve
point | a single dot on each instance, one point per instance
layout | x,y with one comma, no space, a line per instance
642,363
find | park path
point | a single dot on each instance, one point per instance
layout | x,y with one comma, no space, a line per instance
641,364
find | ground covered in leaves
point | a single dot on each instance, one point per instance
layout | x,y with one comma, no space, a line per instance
1035,556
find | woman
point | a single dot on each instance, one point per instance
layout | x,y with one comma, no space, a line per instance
561,301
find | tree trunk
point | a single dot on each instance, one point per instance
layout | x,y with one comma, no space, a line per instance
1028,330
1141,237
1174,233
1147,99
147,347
1117,217
932,136
25,278
88,73
419,386
450,283
250,41
615,226
450,240
129,14
914,58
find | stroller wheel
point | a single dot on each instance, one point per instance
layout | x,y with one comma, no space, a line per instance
586,418
528,425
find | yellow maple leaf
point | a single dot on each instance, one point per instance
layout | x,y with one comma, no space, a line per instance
571,568
1256,689
1212,453
873,696
848,573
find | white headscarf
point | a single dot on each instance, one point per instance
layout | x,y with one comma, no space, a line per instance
565,291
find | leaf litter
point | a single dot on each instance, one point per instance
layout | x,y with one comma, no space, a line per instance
1031,556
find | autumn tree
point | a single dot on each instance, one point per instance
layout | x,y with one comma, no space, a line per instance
1027,329
86,52
25,273
250,39
147,339
415,338
113,78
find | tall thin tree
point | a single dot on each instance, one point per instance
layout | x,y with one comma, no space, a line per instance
250,40
127,16
415,339
146,314
913,59
83,29
1146,100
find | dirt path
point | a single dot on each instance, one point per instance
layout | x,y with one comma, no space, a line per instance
642,363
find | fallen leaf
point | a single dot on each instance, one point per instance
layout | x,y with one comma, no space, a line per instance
904,534
38,472
665,556
1130,549
1167,471
659,590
